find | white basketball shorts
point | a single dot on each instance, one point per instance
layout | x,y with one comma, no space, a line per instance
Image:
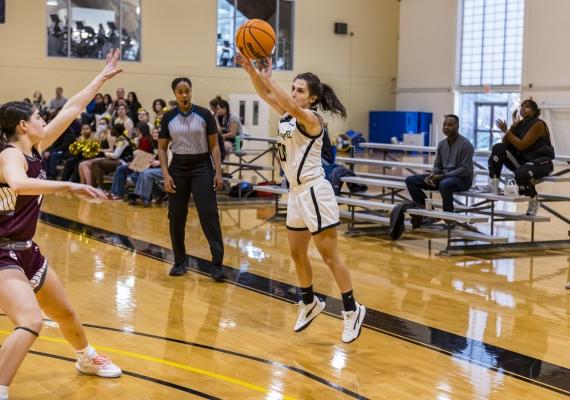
312,208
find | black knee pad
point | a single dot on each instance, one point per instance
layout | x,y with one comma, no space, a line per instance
27,330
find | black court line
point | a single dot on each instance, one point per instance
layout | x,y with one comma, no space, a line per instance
529,369
135,375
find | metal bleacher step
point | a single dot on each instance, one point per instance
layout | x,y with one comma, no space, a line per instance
463,234
375,182
271,189
366,217
375,205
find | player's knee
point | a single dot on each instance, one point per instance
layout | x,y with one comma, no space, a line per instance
31,319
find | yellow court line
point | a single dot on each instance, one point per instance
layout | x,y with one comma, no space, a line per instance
181,366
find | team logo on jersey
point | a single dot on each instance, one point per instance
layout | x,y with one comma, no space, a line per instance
286,129
285,134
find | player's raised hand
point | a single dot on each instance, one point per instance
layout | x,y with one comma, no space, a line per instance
110,69
245,63
265,67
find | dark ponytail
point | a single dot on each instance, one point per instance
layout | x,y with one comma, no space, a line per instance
326,97
10,116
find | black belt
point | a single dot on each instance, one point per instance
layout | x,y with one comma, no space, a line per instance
191,157
13,245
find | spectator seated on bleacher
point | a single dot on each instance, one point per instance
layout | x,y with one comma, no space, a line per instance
141,159
149,182
526,150
214,110
452,170
106,143
58,151
230,126
122,154
333,171
121,117
83,148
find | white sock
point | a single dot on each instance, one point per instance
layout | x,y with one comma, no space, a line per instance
88,352
4,392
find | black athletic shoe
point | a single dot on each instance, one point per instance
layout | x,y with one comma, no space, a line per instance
218,273
177,270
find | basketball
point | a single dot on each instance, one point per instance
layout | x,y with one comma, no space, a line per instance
255,39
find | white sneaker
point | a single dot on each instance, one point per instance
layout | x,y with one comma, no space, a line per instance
308,312
533,206
353,323
98,365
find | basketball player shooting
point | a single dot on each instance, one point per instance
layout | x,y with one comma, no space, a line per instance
312,209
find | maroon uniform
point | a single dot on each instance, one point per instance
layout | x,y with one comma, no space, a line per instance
18,221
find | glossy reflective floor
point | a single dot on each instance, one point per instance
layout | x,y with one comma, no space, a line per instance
437,328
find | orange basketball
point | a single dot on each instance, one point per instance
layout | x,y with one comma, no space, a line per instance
255,39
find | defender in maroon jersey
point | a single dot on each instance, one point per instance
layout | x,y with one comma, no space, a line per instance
23,269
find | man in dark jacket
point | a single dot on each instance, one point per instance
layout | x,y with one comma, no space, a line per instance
452,170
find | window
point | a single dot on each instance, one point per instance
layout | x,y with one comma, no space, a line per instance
492,42
90,28
490,67
478,114
233,13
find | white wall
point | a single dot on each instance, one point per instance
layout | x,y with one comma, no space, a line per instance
546,71
426,64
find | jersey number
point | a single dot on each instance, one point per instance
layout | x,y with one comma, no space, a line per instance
282,152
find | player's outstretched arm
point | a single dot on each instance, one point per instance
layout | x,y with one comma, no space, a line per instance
13,167
260,87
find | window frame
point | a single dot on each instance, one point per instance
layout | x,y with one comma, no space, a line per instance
276,28
120,28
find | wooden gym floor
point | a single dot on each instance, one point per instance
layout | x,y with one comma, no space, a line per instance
437,328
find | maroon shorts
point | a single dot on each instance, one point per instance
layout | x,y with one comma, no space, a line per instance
30,262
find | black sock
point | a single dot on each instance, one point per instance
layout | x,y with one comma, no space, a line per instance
348,301
307,294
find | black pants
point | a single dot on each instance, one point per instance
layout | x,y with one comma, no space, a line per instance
194,174
71,169
525,172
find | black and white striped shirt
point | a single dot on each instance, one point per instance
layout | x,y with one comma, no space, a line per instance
188,132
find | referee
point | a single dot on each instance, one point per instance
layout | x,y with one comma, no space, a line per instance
192,132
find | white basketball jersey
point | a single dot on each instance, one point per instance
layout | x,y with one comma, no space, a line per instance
299,153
